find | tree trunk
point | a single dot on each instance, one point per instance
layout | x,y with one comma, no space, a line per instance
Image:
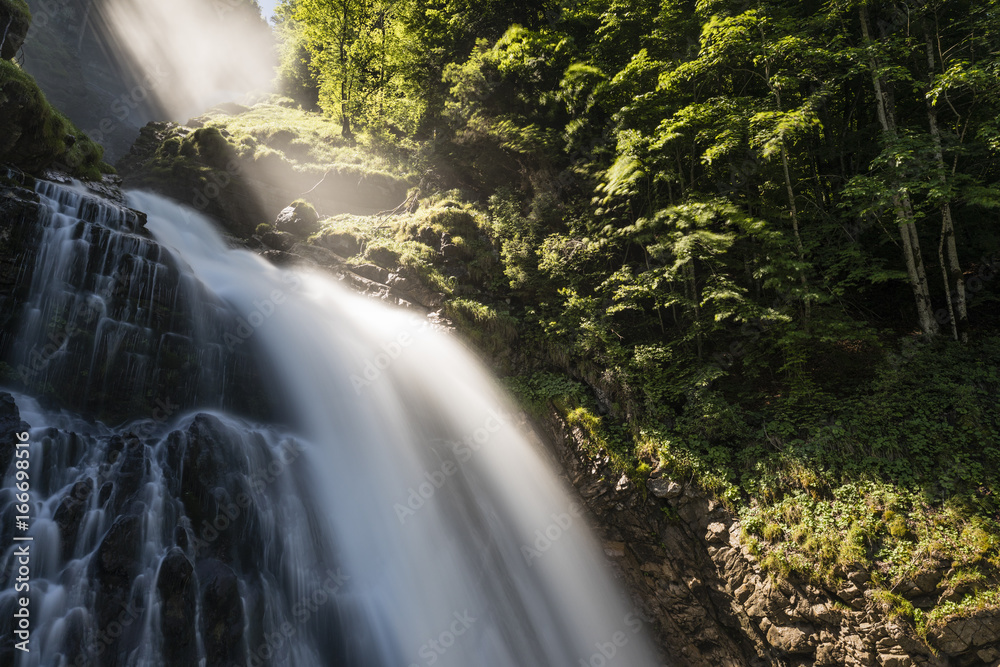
901,201
345,108
794,212
952,270
696,300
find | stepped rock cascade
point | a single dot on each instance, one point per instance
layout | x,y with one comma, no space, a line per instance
397,516
110,320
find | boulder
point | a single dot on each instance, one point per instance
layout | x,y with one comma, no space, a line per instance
299,219
178,593
282,241
790,640
894,660
70,513
371,272
342,243
959,635
222,618
384,257
717,532
665,488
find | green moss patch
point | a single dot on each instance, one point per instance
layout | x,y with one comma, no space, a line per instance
34,136
275,131
443,243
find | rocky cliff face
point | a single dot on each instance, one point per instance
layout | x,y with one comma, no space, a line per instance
98,319
215,550
68,52
680,553
19,234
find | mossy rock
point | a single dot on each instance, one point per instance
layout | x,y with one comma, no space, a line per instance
384,257
344,244
34,136
299,218
210,145
16,19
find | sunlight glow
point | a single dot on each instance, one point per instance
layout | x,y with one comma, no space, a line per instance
192,54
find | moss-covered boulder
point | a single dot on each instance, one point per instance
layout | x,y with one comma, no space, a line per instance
15,19
200,168
299,218
34,136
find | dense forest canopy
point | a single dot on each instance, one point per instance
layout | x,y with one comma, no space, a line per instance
764,234
816,151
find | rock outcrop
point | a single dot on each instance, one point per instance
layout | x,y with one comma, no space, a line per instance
33,134
73,61
10,426
299,218
680,554
19,235
15,19
241,187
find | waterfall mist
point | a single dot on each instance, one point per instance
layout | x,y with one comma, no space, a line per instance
191,54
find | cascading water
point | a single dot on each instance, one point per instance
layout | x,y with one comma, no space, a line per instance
397,517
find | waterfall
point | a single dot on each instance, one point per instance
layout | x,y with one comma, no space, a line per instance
385,510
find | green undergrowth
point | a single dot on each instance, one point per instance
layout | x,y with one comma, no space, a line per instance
874,525
897,474
986,600
899,478
492,329
442,243
543,391
276,131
